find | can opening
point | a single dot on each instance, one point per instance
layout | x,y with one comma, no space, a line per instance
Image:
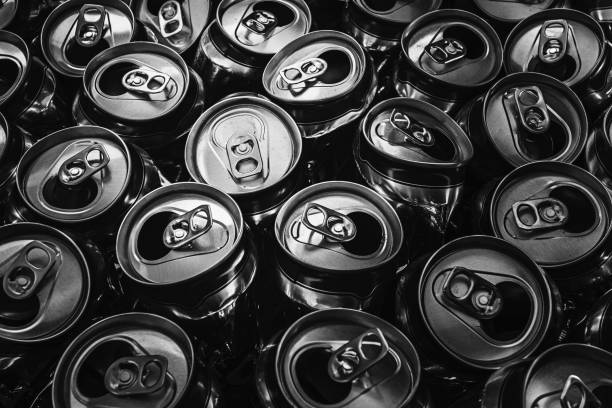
582,215
474,45
111,79
514,316
150,243
380,5
338,67
563,70
545,145
9,72
80,56
18,313
314,379
283,14
369,234
90,378
154,5
70,197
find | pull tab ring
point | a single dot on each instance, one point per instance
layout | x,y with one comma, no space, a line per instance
170,17
587,398
260,22
546,213
188,227
303,71
474,295
329,223
145,80
532,109
136,375
83,165
244,156
351,361
90,25
553,41
409,131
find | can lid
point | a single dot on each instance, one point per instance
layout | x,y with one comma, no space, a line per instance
128,360
45,283
485,301
397,11
14,64
323,357
243,144
78,30
315,68
563,43
8,11
556,212
531,116
74,174
417,133
513,11
177,233
263,27
177,24
339,227
453,47
136,82
569,375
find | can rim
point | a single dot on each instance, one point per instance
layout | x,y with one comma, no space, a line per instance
17,41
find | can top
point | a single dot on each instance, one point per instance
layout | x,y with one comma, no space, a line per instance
242,145
318,67
128,360
77,30
177,233
14,64
340,227
397,11
136,82
8,11
512,11
530,117
453,47
322,357
263,27
556,212
485,301
563,43
45,283
569,375
415,132
75,174
177,24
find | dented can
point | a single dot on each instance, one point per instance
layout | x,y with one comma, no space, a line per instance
175,23
82,179
251,149
324,359
568,45
13,144
29,95
135,360
237,45
447,57
475,305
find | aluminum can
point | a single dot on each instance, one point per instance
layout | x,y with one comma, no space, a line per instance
600,10
175,23
13,144
133,360
447,57
29,96
323,359
146,94
568,45
337,244
25,17
236,46
599,149
475,305
598,325
249,148
187,254
523,118
505,386
82,179
414,154
52,287
559,214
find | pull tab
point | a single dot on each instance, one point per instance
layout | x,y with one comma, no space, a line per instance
260,22
188,227
475,295
587,398
83,165
145,80
303,71
170,18
532,109
352,360
136,375
90,25
408,130
244,156
553,41
542,213
22,278
333,225
446,50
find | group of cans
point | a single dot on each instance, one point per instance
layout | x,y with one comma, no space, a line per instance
305,203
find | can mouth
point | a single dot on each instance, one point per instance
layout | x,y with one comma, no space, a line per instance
14,64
